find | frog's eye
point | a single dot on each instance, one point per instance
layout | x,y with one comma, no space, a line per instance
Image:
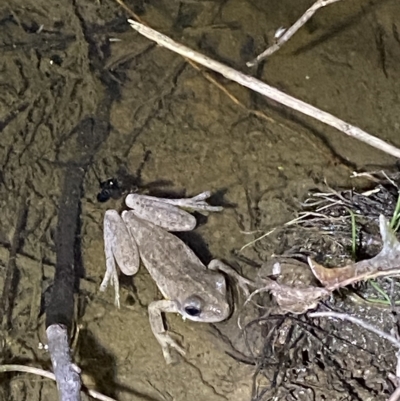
191,311
193,306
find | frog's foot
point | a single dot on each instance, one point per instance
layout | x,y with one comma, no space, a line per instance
156,308
242,282
198,203
111,275
167,342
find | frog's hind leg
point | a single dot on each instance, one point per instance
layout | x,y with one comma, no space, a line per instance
169,213
120,249
160,213
196,203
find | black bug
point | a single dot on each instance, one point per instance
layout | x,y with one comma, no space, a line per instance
109,189
115,188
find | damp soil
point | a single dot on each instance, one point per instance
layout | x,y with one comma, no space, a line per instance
84,98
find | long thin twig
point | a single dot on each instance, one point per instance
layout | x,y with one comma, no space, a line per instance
359,322
266,90
290,31
51,376
315,142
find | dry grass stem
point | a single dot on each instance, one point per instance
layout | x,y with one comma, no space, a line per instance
265,90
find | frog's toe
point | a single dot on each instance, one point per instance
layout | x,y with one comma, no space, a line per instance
198,203
167,342
245,285
203,196
181,351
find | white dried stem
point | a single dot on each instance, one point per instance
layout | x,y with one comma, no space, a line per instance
266,90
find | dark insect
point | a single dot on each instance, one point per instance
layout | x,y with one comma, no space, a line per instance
109,189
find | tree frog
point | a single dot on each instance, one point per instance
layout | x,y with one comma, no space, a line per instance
189,288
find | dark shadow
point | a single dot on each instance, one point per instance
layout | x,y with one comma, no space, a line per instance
197,244
97,362
217,198
100,365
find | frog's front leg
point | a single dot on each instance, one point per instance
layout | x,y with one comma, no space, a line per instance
156,308
118,247
244,283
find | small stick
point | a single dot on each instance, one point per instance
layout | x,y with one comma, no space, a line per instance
67,374
290,31
266,90
359,322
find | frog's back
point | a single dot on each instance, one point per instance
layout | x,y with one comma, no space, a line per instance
170,262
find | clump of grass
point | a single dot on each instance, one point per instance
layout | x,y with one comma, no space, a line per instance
395,221
353,235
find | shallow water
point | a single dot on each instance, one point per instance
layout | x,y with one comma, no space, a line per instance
74,104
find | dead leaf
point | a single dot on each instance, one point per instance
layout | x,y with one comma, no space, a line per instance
291,299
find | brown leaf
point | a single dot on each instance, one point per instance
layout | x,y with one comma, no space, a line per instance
298,300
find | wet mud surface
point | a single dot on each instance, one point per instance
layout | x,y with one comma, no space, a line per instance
84,98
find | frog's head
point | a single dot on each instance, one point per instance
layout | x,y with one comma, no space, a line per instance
207,306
